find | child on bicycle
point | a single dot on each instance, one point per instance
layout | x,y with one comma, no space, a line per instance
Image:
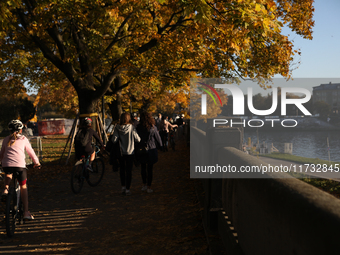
12,156
83,141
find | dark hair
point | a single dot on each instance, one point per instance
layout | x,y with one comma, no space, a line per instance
125,119
146,120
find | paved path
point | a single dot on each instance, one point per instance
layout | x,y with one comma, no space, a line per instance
100,220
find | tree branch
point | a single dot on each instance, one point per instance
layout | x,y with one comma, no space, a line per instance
85,66
58,39
147,46
161,29
115,39
115,89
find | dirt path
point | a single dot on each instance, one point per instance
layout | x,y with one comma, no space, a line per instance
100,220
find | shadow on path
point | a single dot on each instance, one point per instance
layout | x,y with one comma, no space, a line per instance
100,220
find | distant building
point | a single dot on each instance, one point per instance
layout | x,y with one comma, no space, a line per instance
329,93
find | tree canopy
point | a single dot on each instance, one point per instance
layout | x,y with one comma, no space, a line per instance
92,43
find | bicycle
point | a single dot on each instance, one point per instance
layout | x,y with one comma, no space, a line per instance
81,171
14,211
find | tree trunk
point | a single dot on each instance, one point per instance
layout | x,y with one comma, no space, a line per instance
116,105
87,104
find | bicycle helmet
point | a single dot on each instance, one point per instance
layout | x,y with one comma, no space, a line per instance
88,121
15,125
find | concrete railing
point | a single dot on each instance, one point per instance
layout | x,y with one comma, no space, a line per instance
271,215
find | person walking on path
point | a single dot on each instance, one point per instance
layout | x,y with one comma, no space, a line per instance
12,157
135,121
158,121
164,131
149,137
126,134
180,123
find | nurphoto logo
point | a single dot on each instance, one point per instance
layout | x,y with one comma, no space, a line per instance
238,105
238,100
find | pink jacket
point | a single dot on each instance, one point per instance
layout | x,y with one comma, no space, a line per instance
14,156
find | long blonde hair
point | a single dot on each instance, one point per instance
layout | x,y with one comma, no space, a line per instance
11,142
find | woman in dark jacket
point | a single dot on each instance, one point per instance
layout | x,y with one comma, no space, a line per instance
149,135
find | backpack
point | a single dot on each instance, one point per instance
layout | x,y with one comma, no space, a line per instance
82,137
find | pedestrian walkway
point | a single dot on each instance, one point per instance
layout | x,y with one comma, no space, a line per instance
100,220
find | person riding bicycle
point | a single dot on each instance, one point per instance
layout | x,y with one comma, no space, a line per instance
83,141
12,157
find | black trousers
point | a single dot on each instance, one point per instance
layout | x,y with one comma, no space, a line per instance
147,173
126,164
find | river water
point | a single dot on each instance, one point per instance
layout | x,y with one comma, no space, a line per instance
310,144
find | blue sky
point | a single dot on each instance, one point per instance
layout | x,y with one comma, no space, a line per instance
320,57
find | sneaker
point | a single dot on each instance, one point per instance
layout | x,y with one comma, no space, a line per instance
149,190
128,192
29,217
144,187
123,190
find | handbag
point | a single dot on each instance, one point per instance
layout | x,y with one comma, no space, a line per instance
141,149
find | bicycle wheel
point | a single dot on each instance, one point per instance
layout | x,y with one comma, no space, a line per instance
97,173
11,212
77,178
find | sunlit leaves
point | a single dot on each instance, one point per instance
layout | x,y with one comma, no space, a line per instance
61,95
92,42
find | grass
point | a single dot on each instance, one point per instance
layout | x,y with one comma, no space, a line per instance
53,148
327,185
